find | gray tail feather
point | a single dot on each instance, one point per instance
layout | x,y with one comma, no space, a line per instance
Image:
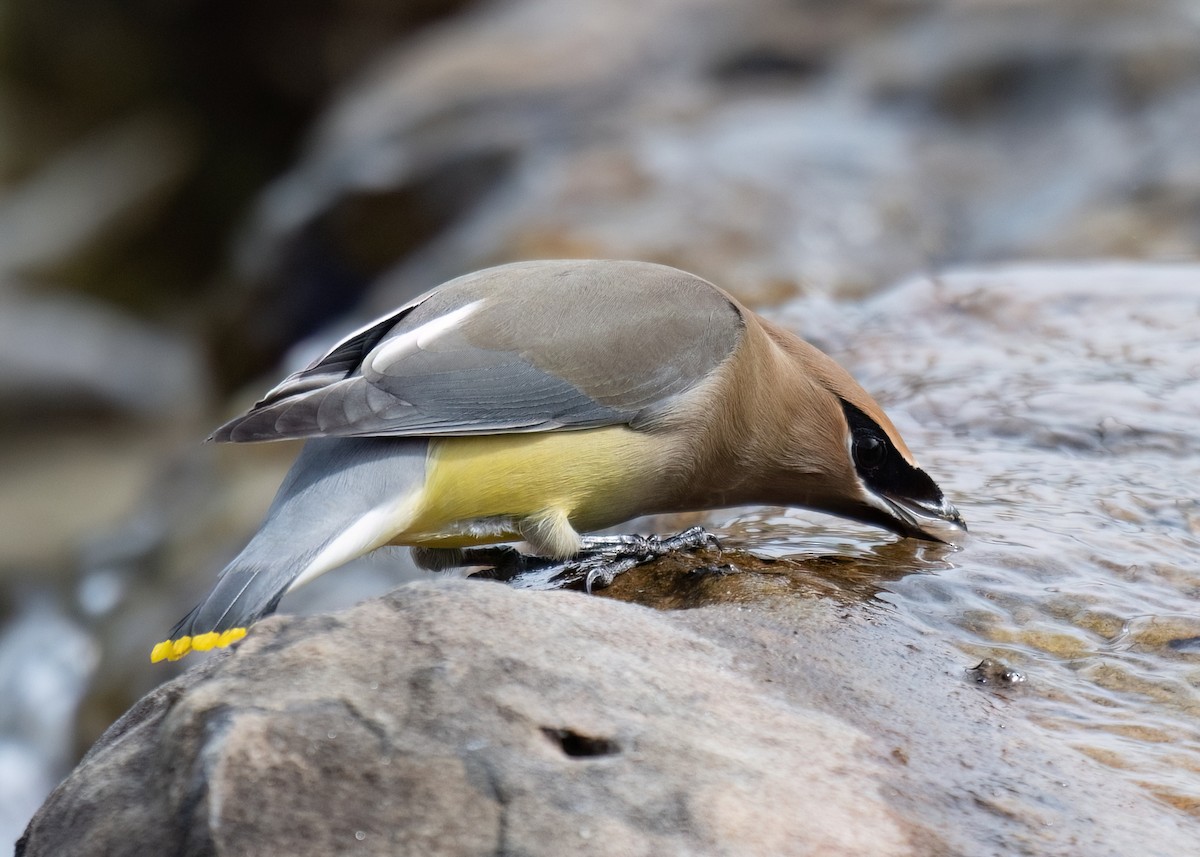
243,595
332,484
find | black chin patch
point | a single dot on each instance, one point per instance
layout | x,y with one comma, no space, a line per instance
881,466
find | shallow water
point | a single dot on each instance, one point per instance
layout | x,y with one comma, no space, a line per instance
1059,410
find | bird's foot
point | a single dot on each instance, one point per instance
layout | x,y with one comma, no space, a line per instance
601,560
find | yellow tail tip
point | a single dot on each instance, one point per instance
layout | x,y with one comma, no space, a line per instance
204,642
230,636
161,652
173,650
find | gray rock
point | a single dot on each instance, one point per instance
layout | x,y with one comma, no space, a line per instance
469,718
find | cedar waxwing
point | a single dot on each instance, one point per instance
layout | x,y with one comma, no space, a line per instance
540,400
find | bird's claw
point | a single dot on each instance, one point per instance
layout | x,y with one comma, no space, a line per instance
598,564
604,575
693,538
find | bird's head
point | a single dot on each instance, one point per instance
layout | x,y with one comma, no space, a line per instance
844,456
887,488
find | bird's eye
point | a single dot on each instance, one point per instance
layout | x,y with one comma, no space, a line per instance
869,451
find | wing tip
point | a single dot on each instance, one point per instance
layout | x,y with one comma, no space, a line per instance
256,427
229,432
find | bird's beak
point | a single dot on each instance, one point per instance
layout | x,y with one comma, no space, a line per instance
933,521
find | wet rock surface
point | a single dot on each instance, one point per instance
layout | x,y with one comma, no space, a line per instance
1054,404
467,718
1067,401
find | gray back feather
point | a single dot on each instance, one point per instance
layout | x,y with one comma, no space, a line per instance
533,346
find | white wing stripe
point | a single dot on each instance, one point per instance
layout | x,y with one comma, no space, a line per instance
396,348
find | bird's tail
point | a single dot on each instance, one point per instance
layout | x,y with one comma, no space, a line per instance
244,593
337,502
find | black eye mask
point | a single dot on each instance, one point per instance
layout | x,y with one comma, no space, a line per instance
880,465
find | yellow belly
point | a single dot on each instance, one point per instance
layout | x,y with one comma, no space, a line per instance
479,490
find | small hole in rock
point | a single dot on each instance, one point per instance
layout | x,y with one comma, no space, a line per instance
580,746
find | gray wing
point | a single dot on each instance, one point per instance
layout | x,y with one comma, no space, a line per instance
534,346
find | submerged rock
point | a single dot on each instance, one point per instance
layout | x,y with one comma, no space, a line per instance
468,718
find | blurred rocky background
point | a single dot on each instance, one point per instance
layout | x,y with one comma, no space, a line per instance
195,196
